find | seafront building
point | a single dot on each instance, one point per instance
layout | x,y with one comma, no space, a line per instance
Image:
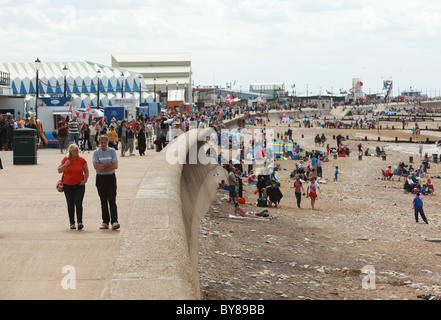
162,72
76,79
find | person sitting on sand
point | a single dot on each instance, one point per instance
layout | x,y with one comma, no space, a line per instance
428,188
252,177
388,173
223,185
409,185
239,212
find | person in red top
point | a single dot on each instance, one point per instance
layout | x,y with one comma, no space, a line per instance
75,174
389,172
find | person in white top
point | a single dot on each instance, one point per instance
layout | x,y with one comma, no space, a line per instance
313,188
93,136
250,159
149,134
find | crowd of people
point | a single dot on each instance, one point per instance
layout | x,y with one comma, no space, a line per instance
7,126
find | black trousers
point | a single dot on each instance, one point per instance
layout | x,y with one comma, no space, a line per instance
421,212
298,197
106,186
74,198
319,172
141,146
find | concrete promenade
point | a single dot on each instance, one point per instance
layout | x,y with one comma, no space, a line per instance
39,254
152,256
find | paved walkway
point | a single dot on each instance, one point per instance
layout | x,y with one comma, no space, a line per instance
39,254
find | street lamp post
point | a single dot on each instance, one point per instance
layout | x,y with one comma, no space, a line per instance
154,89
98,74
65,83
140,90
166,93
37,67
122,85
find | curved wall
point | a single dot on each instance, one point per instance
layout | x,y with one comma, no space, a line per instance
158,252
158,257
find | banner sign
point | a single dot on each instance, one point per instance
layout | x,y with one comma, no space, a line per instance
125,102
55,101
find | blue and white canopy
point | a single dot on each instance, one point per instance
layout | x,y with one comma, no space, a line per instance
81,82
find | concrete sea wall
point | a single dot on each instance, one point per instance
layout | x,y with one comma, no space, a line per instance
158,258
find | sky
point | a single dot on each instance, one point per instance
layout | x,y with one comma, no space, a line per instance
316,45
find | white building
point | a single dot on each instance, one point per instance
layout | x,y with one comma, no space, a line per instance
161,71
86,83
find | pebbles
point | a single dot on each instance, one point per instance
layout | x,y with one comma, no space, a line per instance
319,254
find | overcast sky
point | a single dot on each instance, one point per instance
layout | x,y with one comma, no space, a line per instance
314,43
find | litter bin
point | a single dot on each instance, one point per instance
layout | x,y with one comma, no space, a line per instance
25,146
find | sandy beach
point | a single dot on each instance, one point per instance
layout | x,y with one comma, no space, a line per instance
360,223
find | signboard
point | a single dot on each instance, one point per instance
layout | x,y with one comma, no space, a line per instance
179,107
176,95
125,102
357,88
153,110
114,112
55,101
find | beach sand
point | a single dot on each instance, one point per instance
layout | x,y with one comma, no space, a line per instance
360,222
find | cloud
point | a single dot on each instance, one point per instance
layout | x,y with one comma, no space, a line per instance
318,41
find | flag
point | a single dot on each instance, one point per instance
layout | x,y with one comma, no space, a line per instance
70,110
88,107
229,99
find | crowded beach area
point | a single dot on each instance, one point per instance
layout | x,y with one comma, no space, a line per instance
361,240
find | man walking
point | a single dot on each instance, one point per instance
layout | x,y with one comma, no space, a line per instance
63,135
105,162
74,132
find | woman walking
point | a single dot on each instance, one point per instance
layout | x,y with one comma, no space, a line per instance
140,134
86,138
75,175
298,188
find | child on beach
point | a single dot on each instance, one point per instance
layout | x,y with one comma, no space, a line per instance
336,174
418,208
313,188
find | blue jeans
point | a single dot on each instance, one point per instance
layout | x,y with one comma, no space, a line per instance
75,138
232,189
74,198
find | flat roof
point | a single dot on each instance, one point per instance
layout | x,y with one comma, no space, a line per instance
153,57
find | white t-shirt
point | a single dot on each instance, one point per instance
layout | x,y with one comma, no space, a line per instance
314,188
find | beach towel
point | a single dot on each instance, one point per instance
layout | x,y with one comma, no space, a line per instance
250,184
232,216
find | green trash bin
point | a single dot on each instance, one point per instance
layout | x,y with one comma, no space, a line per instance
25,146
